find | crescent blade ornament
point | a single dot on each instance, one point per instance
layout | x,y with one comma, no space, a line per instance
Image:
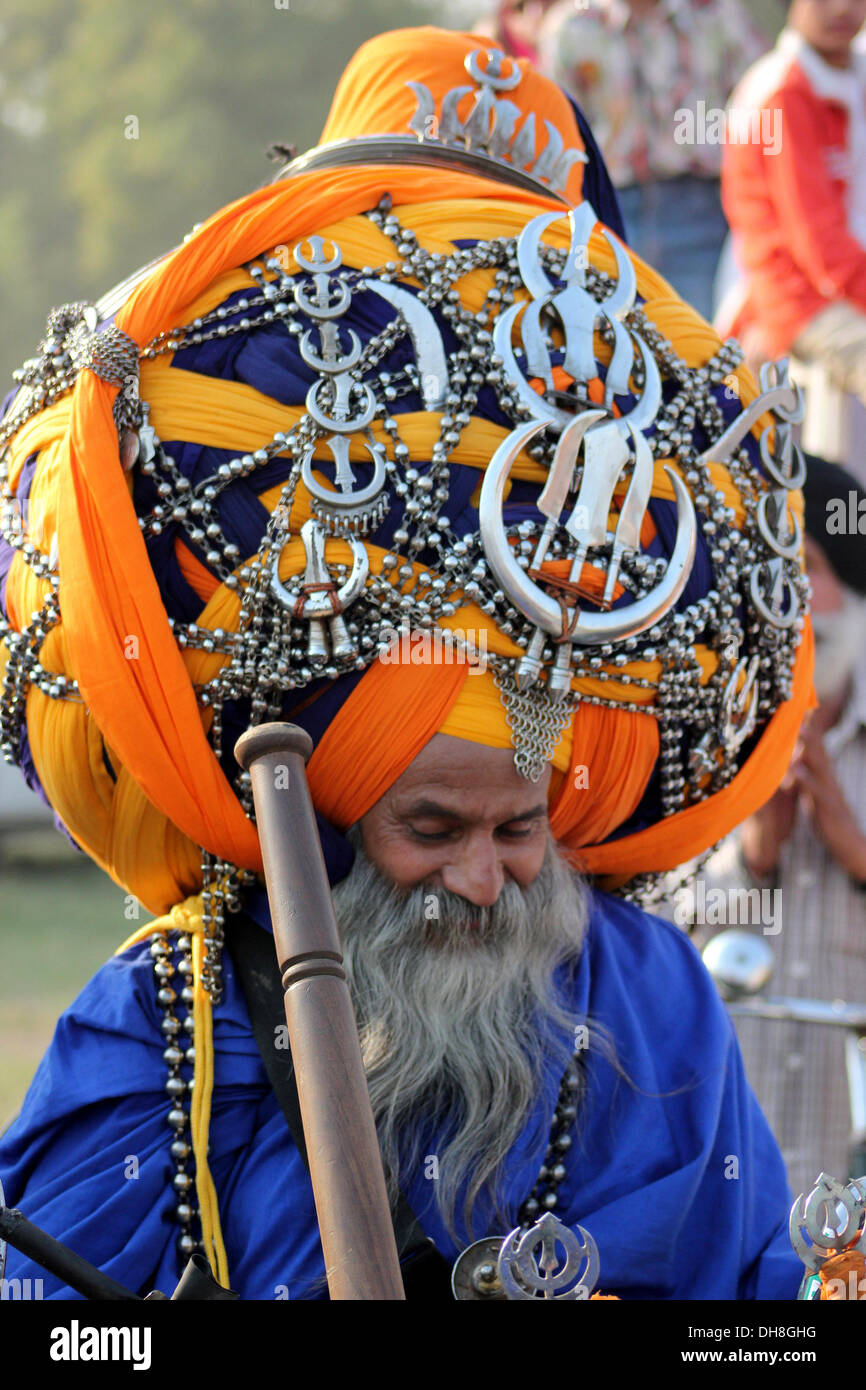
450,127
476,127
505,115
546,163
423,118
523,146
430,356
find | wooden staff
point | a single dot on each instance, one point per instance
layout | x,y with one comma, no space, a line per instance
343,1152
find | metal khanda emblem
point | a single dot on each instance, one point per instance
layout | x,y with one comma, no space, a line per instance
528,1265
737,719
828,1220
604,446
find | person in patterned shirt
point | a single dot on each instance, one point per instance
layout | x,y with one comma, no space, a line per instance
653,77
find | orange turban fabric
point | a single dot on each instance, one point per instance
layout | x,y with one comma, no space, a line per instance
126,751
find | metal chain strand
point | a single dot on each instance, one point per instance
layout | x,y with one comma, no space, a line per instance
267,656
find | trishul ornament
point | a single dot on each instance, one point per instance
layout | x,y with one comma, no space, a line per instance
591,458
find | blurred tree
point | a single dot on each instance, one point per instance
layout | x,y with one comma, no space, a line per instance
123,124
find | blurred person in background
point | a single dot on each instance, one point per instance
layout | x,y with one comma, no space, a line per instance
797,204
515,24
653,77
809,843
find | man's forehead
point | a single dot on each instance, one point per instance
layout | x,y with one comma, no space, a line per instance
460,774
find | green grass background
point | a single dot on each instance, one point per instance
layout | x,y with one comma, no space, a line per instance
61,918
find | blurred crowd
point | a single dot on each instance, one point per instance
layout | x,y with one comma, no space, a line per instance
740,169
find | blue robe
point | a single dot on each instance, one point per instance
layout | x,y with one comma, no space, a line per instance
674,1173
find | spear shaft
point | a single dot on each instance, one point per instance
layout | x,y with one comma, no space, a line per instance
345,1164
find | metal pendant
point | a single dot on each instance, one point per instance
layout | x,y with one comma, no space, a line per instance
475,1275
771,580
527,1265
527,1274
736,722
827,1220
319,601
347,508
602,447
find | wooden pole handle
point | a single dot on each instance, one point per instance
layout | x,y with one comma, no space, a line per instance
355,1223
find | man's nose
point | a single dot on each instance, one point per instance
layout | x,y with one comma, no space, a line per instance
476,874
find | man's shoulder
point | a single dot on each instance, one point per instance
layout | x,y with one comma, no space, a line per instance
629,933
645,969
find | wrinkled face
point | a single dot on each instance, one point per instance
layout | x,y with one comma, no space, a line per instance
461,818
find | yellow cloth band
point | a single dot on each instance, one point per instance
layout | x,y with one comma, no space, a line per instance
187,918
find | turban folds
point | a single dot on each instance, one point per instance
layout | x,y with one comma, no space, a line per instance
129,762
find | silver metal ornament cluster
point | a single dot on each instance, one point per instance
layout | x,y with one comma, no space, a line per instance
495,138
490,128
606,604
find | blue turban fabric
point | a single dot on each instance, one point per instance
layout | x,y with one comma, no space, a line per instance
673,1172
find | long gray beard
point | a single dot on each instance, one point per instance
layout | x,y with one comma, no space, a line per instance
459,1016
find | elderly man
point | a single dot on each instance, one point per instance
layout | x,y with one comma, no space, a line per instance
472,416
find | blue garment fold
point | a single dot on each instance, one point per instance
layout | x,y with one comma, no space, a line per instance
673,1170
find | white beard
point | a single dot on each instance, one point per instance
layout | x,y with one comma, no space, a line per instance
839,641
459,1016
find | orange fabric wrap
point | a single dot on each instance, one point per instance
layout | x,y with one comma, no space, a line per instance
138,688
680,837
384,724
147,707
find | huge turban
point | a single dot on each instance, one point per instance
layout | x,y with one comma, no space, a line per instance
120,732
